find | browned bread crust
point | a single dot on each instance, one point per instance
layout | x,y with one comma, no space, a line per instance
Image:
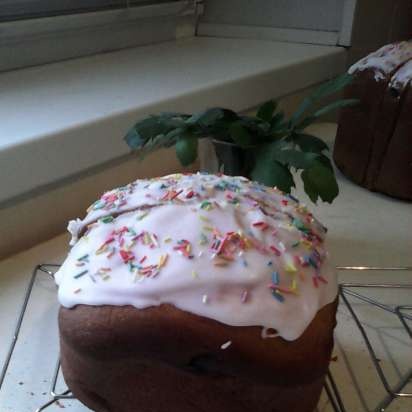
373,141
162,359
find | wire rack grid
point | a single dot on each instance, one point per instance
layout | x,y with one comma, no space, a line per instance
403,312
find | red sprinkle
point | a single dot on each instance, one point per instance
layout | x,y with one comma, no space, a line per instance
176,194
280,288
126,256
261,225
297,260
109,240
315,282
284,202
275,250
190,194
143,259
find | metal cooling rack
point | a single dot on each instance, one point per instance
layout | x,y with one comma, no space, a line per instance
402,312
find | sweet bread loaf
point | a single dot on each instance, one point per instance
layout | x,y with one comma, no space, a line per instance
196,293
372,145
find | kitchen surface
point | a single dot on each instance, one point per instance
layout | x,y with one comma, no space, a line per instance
365,229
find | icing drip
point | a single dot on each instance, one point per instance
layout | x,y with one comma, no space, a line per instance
402,77
217,246
385,60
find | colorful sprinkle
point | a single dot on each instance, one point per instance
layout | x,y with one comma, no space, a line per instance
226,345
275,278
79,275
142,216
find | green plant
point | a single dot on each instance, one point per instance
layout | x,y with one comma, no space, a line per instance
263,147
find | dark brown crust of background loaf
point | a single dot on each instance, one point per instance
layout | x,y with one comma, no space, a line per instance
382,135
373,141
357,125
106,348
395,173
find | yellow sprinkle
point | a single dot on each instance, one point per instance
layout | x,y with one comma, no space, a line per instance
289,267
106,277
294,285
167,239
204,218
194,274
188,248
162,260
208,228
220,263
306,243
101,249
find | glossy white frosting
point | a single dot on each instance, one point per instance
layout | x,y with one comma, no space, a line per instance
385,60
207,244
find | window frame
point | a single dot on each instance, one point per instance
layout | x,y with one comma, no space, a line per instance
31,42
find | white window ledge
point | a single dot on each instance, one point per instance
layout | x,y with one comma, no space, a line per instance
60,119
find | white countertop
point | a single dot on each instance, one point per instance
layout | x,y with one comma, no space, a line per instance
364,229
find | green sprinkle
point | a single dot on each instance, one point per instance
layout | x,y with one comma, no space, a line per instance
142,216
206,205
296,244
131,231
300,225
107,219
79,275
83,257
203,239
278,296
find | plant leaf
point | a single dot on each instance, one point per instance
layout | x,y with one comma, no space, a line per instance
325,161
277,121
134,139
239,134
330,107
309,143
335,105
266,110
320,181
296,158
269,172
186,149
326,89
210,117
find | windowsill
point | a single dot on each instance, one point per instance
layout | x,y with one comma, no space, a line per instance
62,118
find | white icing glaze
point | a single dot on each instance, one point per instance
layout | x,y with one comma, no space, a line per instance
121,260
402,76
385,60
